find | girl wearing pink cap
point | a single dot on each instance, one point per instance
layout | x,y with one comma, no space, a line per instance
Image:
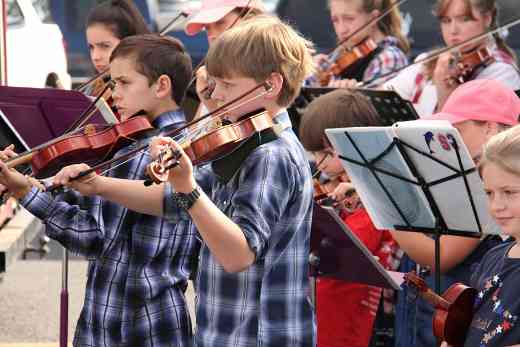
428,85
215,17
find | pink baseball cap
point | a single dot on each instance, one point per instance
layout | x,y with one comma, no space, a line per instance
481,99
212,11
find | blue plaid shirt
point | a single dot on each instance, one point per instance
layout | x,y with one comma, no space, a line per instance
270,198
138,264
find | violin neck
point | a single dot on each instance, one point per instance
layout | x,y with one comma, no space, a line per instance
434,299
20,159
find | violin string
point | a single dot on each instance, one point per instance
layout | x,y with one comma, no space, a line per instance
201,127
219,111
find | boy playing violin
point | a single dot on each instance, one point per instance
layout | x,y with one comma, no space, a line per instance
138,264
253,207
253,213
346,312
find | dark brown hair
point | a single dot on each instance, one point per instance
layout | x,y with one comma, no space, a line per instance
157,55
337,109
121,17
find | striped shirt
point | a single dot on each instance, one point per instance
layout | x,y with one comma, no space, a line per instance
138,264
270,198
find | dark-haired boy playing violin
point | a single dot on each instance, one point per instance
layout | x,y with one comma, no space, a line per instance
253,207
138,264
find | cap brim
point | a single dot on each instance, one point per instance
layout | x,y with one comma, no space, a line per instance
453,119
198,20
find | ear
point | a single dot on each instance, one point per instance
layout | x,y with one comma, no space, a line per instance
163,87
276,82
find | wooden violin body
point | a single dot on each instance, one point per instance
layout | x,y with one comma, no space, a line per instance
345,58
453,310
466,63
82,148
214,144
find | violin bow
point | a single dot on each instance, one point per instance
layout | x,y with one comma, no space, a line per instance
218,112
437,53
367,24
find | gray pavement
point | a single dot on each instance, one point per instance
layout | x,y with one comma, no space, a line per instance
30,294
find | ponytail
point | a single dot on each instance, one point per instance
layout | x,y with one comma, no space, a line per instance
122,17
392,23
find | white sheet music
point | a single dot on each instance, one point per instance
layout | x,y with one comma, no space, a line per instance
436,138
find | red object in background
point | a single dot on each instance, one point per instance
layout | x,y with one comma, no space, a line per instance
343,319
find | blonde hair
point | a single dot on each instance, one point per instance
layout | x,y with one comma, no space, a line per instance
482,6
258,47
503,150
391,24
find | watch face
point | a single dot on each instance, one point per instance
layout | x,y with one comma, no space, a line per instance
186,201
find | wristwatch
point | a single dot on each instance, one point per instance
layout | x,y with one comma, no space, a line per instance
186,201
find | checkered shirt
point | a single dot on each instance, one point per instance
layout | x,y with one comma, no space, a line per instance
138,264
270,198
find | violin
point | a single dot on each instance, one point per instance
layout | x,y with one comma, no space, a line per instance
211,145
323,189
47,159
453,310
342,58
465,64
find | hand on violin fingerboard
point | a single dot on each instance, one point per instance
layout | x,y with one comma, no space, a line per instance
14,182
444,77
7,153
345,83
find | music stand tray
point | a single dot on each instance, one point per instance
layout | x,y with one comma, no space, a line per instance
388,104
338,253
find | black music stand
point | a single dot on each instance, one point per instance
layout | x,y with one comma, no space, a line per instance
406,176
388,104
337,252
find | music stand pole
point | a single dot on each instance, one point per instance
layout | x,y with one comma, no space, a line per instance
64,300
438,263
